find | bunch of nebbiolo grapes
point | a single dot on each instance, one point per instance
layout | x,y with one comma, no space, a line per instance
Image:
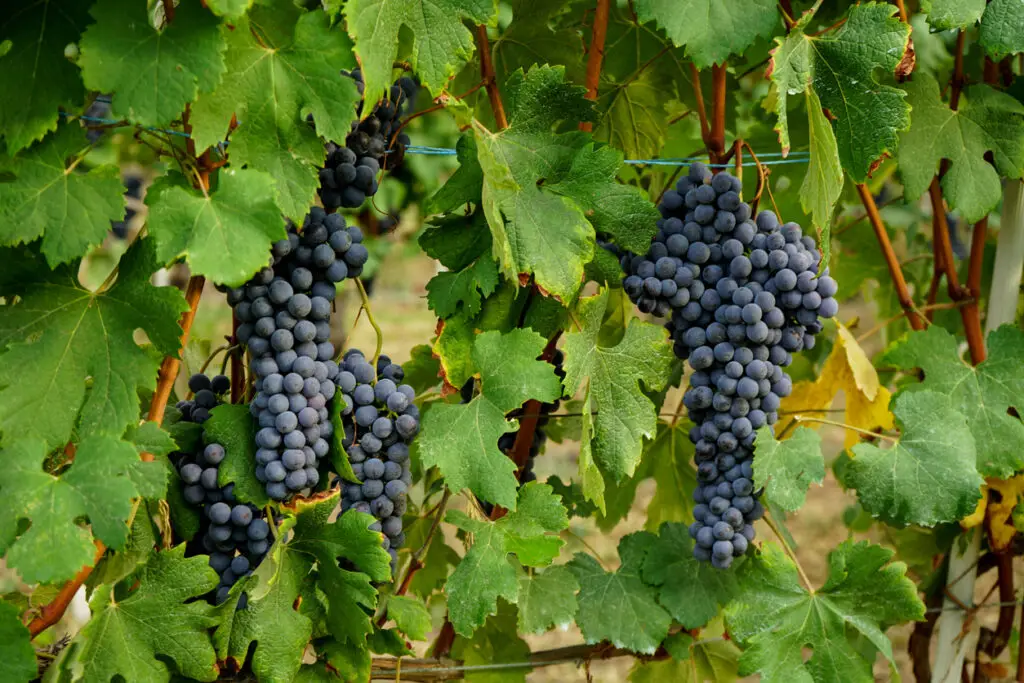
349,174
234,534
285,311
380,422
742,296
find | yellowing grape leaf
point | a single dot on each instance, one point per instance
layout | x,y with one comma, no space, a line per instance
849,370
999,510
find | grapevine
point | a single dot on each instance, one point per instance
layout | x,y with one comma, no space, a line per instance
338,341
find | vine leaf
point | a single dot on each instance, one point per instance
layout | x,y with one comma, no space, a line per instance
282,64
712,658
486,573
668,460
410,615
462,439
232,427
982,393
232,9
68,339
1000,32
944,15
711,31
69,209
786,469
225,235
547,599
840,67
545,195
17,657
929,475
152,73
349,539
160,620
97,485
848,369
270,625
618,606
447,292
986,121
497,642
610,376
441,44
773,618
36,79
692,591
824,179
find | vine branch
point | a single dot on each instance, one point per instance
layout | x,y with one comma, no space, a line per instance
595,55
895,272
489,78
716,141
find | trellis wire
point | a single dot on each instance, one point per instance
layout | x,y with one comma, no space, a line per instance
426,150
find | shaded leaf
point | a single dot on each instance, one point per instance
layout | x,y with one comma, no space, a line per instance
786,469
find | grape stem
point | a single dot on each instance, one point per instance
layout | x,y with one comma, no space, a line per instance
865,432
789,551
490,80
595,55
373,322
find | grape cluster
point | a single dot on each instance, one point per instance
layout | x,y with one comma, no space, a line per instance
285,311
235,534
349,174
742,296
380,421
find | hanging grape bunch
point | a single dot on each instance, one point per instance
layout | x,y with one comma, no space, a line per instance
235,535
741,296
380,421
285,313
349,174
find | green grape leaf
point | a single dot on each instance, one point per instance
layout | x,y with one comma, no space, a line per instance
142,541
986,121
711,31
17,657
350,661
840,66
824,180
774,618
349,539
712,658
982,393
97,485
232,426
611,377
692,591
161,620
465,185
447,292
440,44
462,439
944,15
270,626
547,599
281,66
232,9
1000,33
533,180
422,369
410,615
668,460
486,573
536,35
786,469
440,556
48,198
150,438
69,339
457,240
153,74
36,78
497,642
225,235
928,475
618,606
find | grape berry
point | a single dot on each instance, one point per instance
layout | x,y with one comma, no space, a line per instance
741,296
